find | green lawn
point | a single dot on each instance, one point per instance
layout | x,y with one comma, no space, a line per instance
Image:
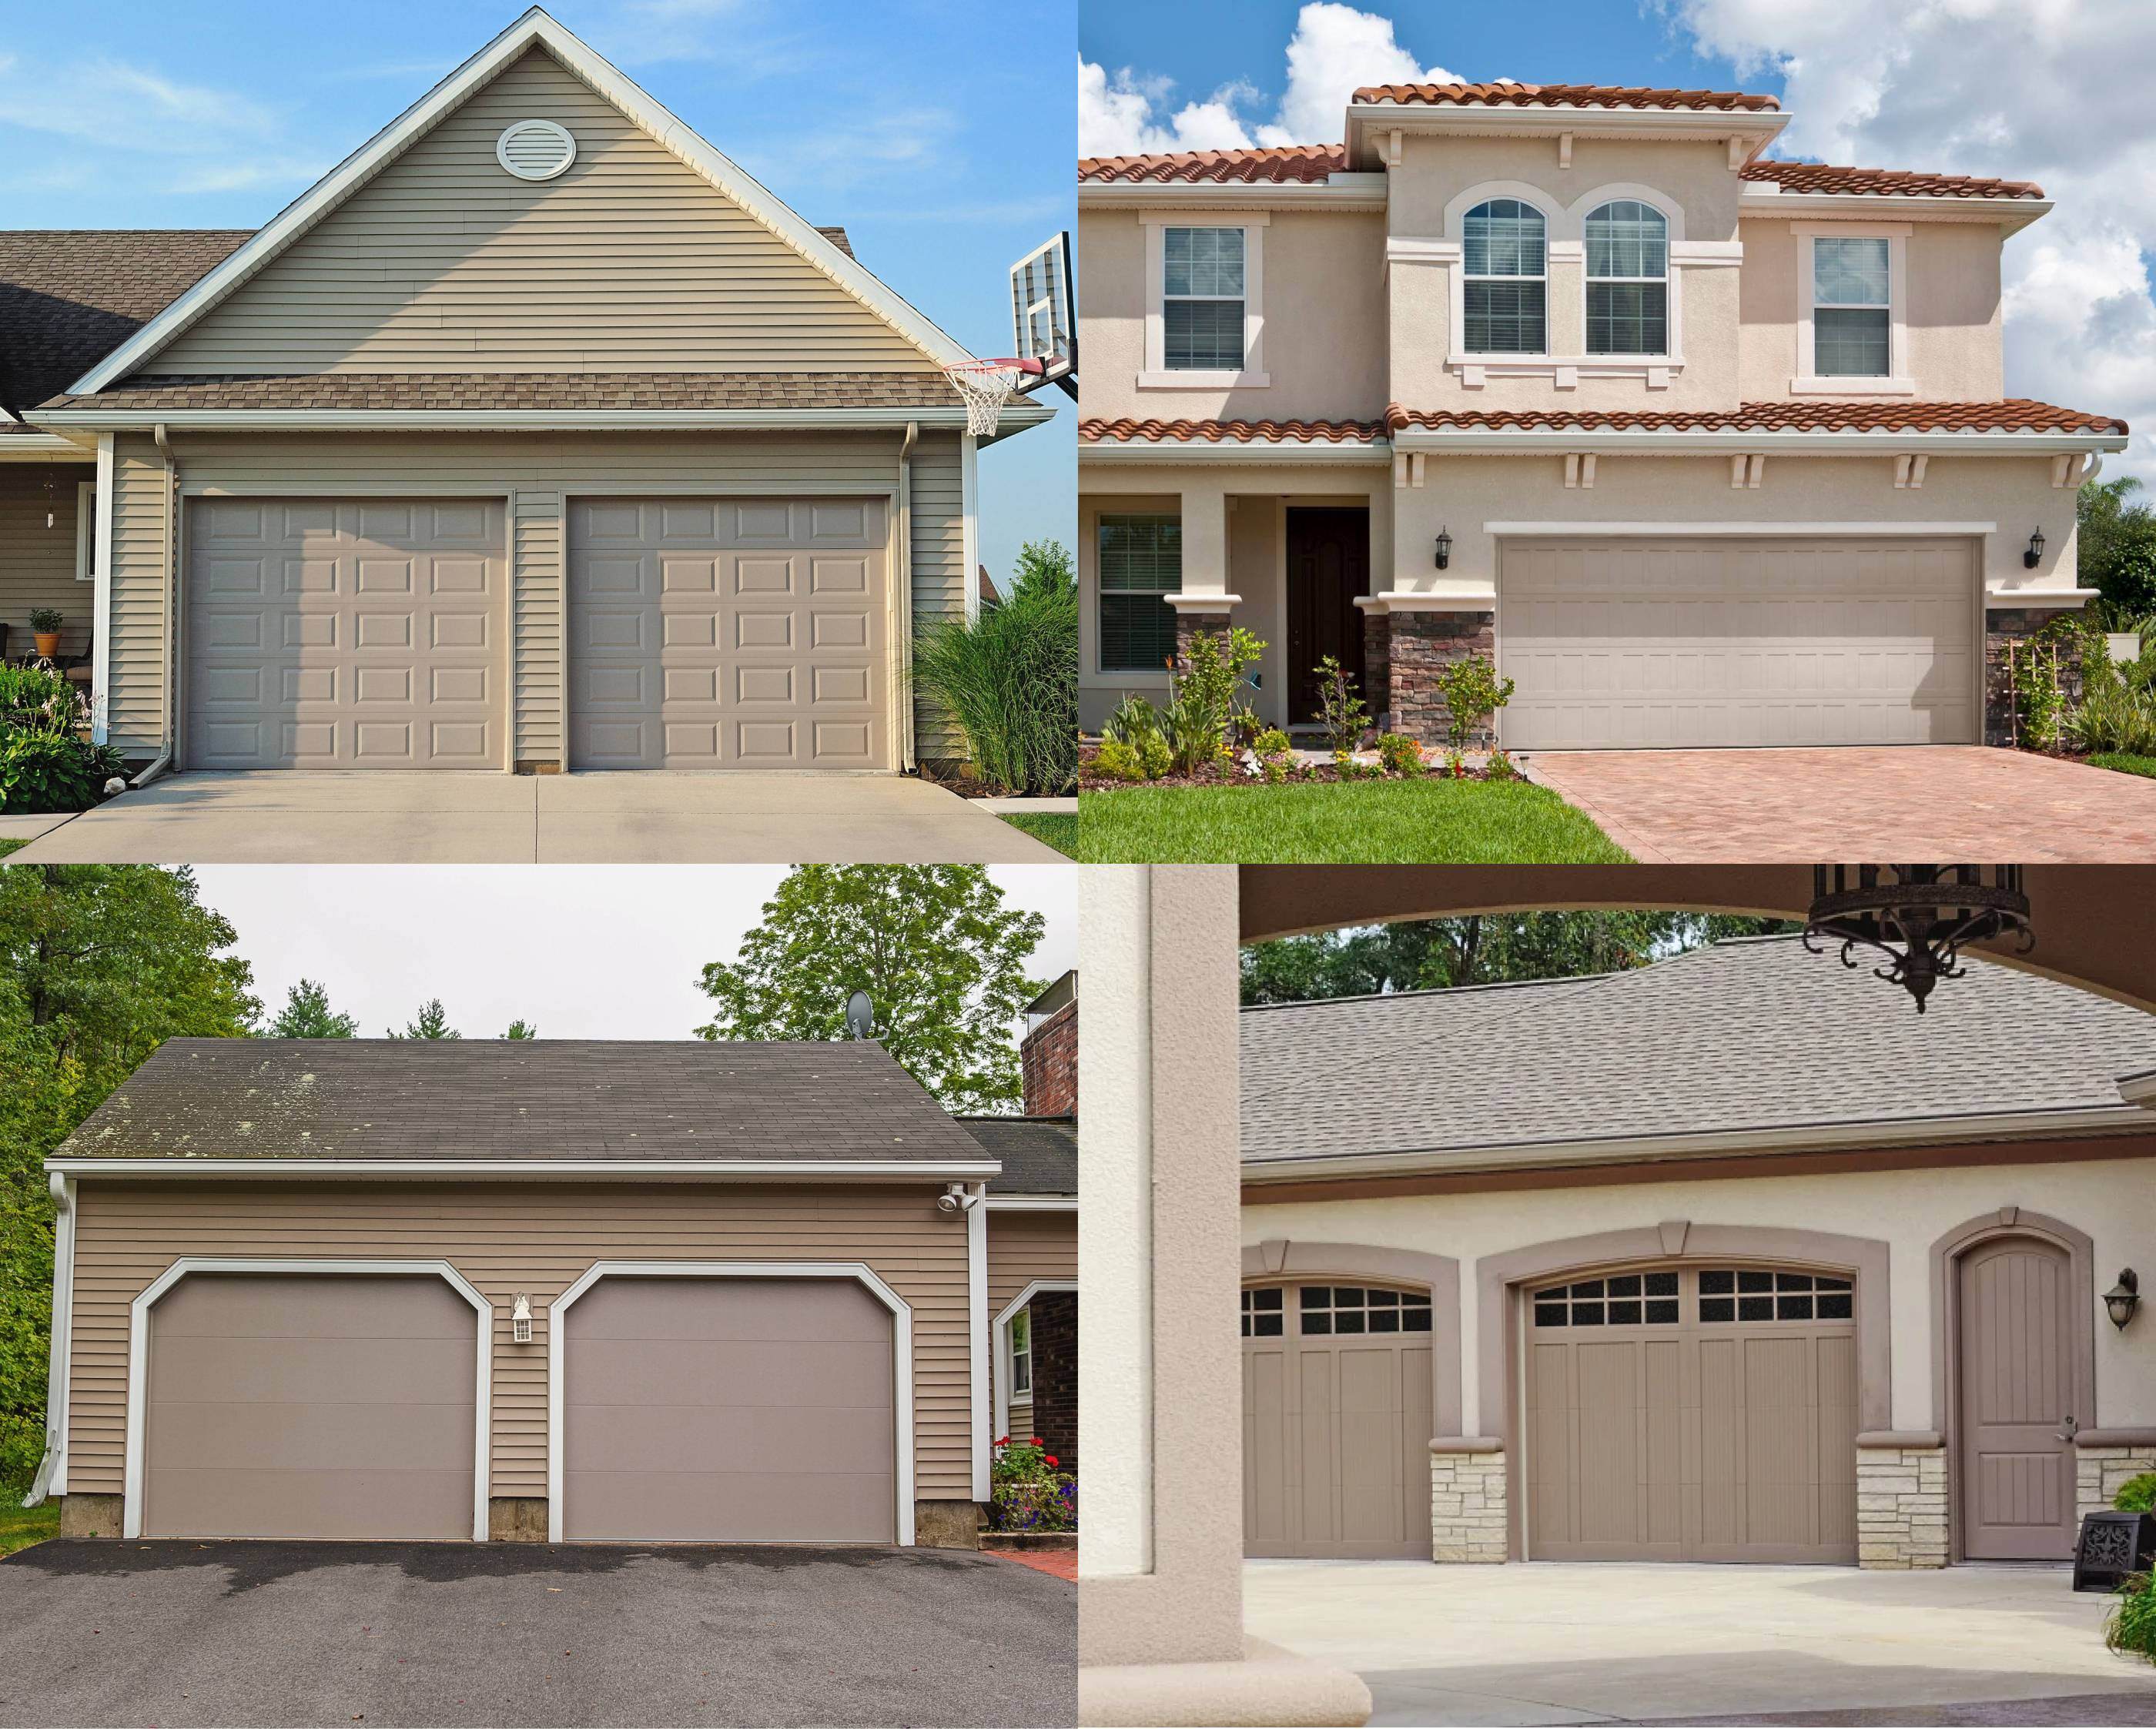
19,1529
2125,762
1057,828
1422,822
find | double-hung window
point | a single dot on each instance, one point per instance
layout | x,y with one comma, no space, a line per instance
1141,562
1505,257
1853,296
1628,286
1021,1351
1203,299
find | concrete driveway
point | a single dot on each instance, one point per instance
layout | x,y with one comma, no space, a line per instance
457,818
1912,801
1546,1643
183,1633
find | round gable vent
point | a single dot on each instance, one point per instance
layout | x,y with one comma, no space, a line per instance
535,149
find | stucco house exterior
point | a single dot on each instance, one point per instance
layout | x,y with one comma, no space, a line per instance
534,1290
536,435
1699,447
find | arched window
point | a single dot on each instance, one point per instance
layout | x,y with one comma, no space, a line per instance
1502,243
1628,286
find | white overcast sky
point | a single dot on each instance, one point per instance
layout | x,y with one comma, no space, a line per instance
587,951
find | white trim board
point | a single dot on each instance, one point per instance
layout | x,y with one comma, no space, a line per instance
535,27
1032,1203
100,598
936,418
138,1358
1003,1343
901,1332
523,1170
977,1342
1729,530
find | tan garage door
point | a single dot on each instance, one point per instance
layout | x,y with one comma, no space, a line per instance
345,633
1690,643
1336,1421
728,1410
304,1405
1692,1414
729,633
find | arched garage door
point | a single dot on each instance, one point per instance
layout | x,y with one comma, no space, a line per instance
1693,1414
1336,1421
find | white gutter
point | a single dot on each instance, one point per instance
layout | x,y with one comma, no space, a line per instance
1032,1203
1766,198
1343,452
534,419
163,759
41,447
51,1470
1648,442
276,1169
1338,191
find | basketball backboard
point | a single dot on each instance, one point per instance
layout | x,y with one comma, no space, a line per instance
1044,317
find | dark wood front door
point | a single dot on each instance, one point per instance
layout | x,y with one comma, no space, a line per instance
1328,565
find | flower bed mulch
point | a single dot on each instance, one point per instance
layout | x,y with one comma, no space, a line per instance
1091,780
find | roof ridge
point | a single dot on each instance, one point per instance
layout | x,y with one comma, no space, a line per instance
1430,990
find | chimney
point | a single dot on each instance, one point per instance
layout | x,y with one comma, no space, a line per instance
1048,1055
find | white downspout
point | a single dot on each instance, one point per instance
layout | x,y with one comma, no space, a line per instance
905,757
977,1308
163,760
52,1470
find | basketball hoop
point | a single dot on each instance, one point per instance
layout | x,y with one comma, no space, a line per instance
987,385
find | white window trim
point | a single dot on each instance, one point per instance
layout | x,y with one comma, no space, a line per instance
1024,1300
1672,215
85,530
1460,355
1253,375
1898,381
100,599
982,1437
1021,1395
902,1335
138,1360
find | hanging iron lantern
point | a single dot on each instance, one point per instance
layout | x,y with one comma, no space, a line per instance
1918,916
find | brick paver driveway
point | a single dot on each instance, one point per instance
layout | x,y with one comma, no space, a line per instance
1912,801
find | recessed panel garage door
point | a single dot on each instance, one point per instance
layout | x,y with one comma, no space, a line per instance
1623,642
1336,1421
351,633
304,1405
728,1410
728,633
1692,1414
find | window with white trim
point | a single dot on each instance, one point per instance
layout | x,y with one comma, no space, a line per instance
1203,299
1141,564
1628,287
1021,1354
1852,307
1263,1316
1505,266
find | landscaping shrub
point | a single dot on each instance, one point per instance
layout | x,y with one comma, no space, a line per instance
44,764
2137,1494
1473,694
1007,679
1501,767
2131,1631
1275,753
2112,717
1207,678
1118,760
1340,708
1026,1489
1400,754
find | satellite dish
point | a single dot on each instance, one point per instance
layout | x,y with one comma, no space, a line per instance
861,1015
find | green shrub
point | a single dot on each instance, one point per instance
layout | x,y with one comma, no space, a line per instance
1118,760
2131,1631
37,699
2137,1494
46,618
2124,762
1007,679
1340,709
1501,767
1473,693
1206,677
50,771
1351,770
1273,742
1400,754
1132,719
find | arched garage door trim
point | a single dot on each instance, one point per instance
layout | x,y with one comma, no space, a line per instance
901,1338
138,1358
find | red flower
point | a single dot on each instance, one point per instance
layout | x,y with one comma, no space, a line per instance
1004,1442
1038,1442
1051,1461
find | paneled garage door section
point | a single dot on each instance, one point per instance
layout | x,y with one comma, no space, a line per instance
306,1405
1692,1414
345,633
729,633
728,1410
1689,643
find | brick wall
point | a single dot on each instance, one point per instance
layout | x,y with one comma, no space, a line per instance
1901,1507
1048,1066
1055,1374
1467,1506
1419,646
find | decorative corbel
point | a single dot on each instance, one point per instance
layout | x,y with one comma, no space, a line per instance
1564,149
1415,460
1758,471
1587,471
1909,470
1394,153
1737,154
1399,467
1737,465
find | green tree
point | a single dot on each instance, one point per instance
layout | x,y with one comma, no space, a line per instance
99,966
2116,544
432,1021
522,1029
307,1014
938,953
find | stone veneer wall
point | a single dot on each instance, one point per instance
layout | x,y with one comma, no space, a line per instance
1467,1519
2098,1472
1901,1507
1377,682
1419,646
2015,624
1189,624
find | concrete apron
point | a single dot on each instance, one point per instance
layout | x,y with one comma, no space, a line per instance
1550,1643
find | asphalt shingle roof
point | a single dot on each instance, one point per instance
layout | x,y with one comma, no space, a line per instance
562,392
1040,1154
1757,1034
394,1099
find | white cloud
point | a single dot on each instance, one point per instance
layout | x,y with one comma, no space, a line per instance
2049,91
1335,49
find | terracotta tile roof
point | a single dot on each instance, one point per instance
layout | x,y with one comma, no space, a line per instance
1226,432
1824,177
1560,95
1308,163
2014,414
430,391
70,296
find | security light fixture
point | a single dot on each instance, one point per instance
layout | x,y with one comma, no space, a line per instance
520,1319
2122,1299
2034,557
1917,915
956,1198
1444,549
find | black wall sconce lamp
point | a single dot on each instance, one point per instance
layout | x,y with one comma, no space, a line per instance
2122,1299
2033,556
1444,549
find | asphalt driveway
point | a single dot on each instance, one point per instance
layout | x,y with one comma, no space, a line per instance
1549,1643
1912,801
184,1632
457,819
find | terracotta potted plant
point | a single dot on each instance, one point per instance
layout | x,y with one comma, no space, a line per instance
45,627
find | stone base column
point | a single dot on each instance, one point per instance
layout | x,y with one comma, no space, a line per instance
89,1515
1189,623
1419,646
947,1524
517,1519
2099,1472
2005,625
1467,1521
1377,666
1901,1506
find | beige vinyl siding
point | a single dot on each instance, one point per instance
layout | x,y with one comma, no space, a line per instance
38,563
536,1238
1024,1247
630,261
939,575
135,710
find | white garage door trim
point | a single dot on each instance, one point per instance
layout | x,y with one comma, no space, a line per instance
902,1340
138,1359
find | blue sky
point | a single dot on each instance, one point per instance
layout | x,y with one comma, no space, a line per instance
114,115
